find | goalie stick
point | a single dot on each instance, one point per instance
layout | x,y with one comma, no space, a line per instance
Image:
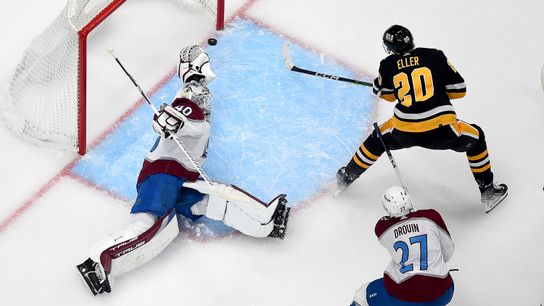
292,67
174,137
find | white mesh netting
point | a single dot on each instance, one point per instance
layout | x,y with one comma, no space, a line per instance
39,102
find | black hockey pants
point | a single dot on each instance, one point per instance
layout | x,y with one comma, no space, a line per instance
459,137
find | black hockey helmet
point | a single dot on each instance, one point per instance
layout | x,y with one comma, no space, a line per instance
397,39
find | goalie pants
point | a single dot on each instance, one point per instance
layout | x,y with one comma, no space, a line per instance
375,294
459,137
158,193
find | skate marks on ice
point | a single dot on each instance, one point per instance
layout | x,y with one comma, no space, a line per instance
273,131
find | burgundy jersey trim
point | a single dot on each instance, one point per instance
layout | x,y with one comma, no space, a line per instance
130,245
387,222
196,112
162,166
418,288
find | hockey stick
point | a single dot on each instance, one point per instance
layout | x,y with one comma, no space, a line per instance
292,67
173,136
391,159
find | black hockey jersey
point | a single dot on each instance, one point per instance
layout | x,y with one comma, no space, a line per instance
422,82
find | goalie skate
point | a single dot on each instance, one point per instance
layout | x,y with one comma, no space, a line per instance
280,218
493,195
94,277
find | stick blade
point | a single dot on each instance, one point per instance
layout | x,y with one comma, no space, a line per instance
287,56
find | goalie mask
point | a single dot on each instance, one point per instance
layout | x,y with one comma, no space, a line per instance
397,202
194,65
199,94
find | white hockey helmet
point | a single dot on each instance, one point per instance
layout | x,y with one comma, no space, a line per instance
397,202
194,65
197,93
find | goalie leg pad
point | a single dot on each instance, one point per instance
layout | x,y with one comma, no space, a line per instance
257,209
242,217
139,223
132,253
238,209
137,243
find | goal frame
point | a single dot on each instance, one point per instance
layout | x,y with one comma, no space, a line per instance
82,75
45,100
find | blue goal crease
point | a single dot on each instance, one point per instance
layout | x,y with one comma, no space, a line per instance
273,131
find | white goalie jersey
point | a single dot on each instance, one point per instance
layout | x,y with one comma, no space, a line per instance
167,157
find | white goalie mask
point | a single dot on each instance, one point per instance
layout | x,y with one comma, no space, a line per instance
397,202
199,94
194,65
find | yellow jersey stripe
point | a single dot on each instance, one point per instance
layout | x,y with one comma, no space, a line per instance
424,125
388,97
456,95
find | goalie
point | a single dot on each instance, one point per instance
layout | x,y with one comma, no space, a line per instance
168,185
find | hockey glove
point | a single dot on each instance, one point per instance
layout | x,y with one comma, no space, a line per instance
169,121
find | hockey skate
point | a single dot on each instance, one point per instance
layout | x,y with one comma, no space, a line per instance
280,218
343,180
492,195
94,276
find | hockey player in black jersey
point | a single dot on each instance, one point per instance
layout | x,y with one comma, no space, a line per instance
422,81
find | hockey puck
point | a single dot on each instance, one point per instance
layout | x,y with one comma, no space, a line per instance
212,41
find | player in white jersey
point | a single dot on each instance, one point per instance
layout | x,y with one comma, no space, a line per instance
168,185
420,245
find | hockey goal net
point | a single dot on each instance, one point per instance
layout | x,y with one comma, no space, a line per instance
45,99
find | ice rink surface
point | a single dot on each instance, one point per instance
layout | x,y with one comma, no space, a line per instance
55,205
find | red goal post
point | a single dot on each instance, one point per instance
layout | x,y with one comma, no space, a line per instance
45,99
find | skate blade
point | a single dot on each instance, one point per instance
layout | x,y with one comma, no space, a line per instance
490,208
337,193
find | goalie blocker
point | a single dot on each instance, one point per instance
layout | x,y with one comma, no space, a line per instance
145,237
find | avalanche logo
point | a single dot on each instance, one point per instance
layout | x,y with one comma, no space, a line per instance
274,131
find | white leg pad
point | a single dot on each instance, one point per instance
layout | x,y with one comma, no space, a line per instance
199,209
136,244
237,208
138,224
248,219
217,207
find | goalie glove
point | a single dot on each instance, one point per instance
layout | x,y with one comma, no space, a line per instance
169,121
